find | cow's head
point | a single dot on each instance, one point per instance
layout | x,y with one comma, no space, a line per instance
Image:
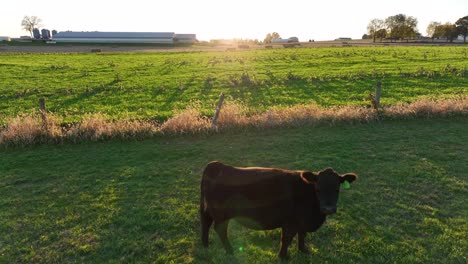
327,185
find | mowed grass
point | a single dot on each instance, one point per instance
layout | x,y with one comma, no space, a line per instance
137,202
154,85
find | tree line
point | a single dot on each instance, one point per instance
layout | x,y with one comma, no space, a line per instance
403,27
397,27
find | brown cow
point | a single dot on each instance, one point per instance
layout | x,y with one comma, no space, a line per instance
268,198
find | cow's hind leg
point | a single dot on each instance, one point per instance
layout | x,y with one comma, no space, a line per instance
287,236
221,229
206,221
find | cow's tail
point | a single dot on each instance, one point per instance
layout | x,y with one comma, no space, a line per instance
202,196
205,218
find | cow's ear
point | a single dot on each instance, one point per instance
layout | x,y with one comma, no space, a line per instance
309,177
350,177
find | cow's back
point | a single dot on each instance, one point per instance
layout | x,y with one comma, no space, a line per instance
219,173
263,194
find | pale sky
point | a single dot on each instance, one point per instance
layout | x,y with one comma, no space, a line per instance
222,19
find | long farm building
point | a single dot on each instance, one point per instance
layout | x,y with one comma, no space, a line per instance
123,37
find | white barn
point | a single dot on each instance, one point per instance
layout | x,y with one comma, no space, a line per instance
122,37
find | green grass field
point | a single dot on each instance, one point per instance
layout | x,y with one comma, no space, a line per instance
153,85
137,202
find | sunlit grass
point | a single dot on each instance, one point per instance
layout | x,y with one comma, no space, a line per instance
154,85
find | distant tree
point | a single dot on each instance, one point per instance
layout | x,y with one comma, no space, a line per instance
30,22
401,26
451,31
439,31
247,41
271,36
431,29
447,30
374,26
462,27
382,33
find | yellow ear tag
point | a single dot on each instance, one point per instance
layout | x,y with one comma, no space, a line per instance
346,185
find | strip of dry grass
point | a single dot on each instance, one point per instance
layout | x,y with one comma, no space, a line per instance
30,129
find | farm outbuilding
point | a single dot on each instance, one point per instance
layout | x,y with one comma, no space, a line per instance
121,37
45,34
185,38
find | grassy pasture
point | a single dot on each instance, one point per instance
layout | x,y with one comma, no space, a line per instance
137,202
153,85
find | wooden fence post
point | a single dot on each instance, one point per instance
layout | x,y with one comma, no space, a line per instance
375,99
214,122
43,111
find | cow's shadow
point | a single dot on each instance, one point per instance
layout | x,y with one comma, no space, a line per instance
258,240
207,255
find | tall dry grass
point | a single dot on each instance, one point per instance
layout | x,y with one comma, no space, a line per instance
188,121
428,108
232,114
29,129
309,115
97,127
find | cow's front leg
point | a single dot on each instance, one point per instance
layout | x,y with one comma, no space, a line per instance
301,243
287,234
221,229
